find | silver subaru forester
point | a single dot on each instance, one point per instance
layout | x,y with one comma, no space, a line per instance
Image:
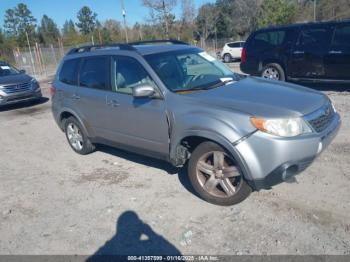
173,101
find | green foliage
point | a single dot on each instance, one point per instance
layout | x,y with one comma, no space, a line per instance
19,22
5,48
87,20
276,12
48,31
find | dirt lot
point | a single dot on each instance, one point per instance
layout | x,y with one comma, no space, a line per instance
53,201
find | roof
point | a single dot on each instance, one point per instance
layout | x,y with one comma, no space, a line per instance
143,48
306,23
152,49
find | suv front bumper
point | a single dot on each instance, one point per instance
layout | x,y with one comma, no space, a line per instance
270,160
7,99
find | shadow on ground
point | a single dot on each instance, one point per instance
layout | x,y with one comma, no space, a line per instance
140,159
152,162
134,237
26,104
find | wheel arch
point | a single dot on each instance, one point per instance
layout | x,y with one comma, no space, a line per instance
65,114
265,62
191,139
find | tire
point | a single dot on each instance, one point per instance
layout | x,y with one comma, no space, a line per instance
83,145
199,179
227,58
273,71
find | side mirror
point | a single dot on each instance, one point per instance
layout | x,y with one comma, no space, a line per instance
22,71
143,91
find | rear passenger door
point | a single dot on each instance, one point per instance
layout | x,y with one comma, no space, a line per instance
138,123
307,58
337,59
94,85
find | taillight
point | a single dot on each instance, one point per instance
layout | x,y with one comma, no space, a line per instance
52,89
243,55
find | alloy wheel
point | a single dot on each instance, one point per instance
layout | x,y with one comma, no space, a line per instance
218,175
75,136
271,73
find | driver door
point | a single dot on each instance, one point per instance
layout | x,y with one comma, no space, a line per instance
138,123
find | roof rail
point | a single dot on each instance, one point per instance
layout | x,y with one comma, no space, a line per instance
89,48
165,41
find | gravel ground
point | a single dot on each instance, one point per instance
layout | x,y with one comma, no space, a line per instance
53,201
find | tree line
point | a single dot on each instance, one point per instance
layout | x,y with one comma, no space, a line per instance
233,19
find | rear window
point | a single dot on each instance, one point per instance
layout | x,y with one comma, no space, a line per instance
342,37
69,72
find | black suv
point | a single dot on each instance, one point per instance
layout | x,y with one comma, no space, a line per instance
302,52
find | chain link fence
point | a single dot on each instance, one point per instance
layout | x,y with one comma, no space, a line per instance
39,61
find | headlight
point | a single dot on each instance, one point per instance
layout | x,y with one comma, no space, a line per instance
34,83
284,127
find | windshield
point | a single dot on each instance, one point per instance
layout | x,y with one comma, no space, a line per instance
190,70
7,70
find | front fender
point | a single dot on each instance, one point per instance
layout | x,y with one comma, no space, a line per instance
217,138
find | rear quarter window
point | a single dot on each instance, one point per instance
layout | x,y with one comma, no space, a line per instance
69,72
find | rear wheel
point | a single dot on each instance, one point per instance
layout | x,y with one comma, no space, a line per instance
274,72
215,175
227,58
76,137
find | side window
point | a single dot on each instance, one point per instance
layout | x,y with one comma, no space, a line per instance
267,40
234,45
127,73
94,73
69,72
341,37
314,39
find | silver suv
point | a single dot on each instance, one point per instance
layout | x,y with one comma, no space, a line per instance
172,101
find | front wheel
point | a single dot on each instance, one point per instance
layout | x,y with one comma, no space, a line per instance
274,72
216,176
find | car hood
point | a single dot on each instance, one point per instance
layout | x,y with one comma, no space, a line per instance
14,79
263,98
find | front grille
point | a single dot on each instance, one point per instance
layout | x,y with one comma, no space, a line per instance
321,119
10,89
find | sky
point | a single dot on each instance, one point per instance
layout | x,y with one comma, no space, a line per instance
61,10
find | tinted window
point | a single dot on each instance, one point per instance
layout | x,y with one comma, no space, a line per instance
342,37
314,39
267,40
94,73
128,73
68,74
234,45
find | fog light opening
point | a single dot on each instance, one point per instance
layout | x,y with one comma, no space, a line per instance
290,171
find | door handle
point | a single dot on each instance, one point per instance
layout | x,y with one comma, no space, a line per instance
335,52
75,97
298,52
113,103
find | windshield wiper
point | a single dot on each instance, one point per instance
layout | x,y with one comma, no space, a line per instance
220,82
